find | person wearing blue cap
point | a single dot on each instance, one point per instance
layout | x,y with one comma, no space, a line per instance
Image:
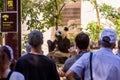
35,65
102,65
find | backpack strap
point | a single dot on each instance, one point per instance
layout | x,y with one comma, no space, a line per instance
91,75
9,75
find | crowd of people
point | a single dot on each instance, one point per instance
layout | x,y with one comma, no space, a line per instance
82,64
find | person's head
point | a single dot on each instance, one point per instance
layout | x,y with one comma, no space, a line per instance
6,56
108,38
82,41
35,39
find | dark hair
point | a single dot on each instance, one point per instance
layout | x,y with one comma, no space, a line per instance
82,41
5,57
7,51
106,42
35,38
107,45
119,44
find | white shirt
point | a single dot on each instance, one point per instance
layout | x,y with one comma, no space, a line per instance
105,65
14,76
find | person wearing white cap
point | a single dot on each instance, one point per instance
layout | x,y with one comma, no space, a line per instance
103,65
6,57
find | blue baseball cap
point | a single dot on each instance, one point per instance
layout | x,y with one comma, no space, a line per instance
108,35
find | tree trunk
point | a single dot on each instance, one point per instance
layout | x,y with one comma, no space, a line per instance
56,24
98,17
97,14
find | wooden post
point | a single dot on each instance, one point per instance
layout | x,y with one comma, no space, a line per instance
19,27
13,39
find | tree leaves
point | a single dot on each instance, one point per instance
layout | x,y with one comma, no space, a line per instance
31,12
108,11
117,27
93,31
1,5
42,14
111,14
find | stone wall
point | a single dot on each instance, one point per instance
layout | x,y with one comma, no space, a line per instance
71,11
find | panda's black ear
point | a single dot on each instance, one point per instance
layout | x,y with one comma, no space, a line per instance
66,29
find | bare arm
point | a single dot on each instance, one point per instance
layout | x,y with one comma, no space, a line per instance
70,75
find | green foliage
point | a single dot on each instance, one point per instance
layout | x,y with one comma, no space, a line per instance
52,13
111,14
31,12
72,34
25,39
1,9
93,31
117,27
95,5
71,0
108,11
41,14
72,37
93,2
1,5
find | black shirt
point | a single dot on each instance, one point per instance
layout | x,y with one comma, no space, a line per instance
37,67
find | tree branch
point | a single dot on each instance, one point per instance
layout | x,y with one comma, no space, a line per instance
61,8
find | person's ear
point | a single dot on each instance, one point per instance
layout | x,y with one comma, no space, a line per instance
41,42
75,46
114,45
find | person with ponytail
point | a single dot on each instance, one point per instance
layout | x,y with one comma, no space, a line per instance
6,58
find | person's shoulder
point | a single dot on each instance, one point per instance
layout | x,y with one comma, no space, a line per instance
23,57
117,56
86,56
15,73
71,59
16,76
46,58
